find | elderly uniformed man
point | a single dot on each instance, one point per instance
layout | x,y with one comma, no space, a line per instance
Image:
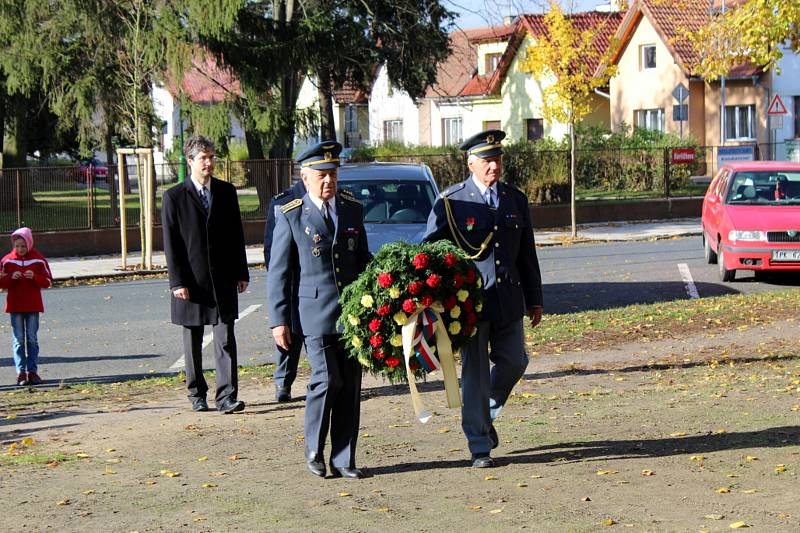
490,221
321,240
286,361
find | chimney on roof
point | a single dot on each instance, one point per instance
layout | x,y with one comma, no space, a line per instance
613,6
508,20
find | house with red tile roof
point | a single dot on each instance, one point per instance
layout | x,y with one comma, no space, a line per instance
656,61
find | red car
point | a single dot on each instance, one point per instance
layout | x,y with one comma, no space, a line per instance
751,218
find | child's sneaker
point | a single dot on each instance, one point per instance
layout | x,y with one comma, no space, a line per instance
22,379
33,378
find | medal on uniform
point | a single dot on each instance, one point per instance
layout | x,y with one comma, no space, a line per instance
316,238
315,252
308,230
351,244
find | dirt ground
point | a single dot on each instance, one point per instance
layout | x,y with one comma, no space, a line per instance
700,434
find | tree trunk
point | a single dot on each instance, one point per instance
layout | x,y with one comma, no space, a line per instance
326,123
573,178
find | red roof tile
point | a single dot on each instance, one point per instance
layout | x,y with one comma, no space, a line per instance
207,83
455,72
489,34
350,94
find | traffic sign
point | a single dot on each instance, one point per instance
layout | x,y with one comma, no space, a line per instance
680,93
776,107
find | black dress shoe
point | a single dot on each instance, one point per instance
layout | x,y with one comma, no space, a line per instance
493,436
345,471
316,464
283,394
482,460
230,405
199,404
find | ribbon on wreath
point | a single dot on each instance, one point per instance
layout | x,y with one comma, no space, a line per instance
420,329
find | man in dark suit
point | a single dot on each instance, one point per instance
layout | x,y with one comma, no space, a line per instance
285,360
491,222
204,246
321,241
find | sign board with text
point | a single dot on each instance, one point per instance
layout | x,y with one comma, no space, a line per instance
729,154
683,156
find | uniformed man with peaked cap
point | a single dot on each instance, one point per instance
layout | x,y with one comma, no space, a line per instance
320,239
490,221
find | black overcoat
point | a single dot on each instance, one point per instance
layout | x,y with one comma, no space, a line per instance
205,253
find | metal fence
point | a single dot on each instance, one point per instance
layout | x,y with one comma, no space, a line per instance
76,198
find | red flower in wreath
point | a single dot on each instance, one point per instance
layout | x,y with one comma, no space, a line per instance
416,287
470,223
468,330
471,318
374,325
458,281
409,306
421,261
392,361
376,340
450,302
385,279
471,275
378,354
384,310
433,281
426,300
450,260
468,305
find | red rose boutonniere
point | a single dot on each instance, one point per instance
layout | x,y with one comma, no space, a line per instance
470,223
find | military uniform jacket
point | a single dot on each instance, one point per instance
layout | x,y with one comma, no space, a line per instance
509,267
205,253
323,263
297,191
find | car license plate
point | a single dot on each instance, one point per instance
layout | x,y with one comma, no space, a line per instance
786,255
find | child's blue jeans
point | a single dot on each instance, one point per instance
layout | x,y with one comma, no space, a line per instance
25,332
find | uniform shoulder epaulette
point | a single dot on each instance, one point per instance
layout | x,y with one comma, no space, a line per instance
453,188
297,202
347,195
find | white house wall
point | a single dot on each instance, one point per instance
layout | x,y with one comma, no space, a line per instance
787,86
387,103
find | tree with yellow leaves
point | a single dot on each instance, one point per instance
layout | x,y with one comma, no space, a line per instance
558,59
756,31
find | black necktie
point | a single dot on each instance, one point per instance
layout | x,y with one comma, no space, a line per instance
326,215
204,198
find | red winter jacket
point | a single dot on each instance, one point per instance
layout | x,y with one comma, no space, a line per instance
25,295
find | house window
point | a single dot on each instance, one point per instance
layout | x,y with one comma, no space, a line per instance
796,117
492,61
648,56
740,122
451,131
649,119
393,131
491,125
535,128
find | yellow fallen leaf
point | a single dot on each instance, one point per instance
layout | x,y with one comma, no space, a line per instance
200,519
474,507
749,491
366,435
87,492
27,441
63,502
234,457
81,455
780,468
444,430
608,522
170,473
723,490
453,450
648,473
606,472
382,509
203,458
109,472
714,516
720,431
522,485
732,475
11,417
696,458
738,525
678,434
495,511
209,485
111,450
344,494
751,458
489,478
149,482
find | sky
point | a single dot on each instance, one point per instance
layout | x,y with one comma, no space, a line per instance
476,13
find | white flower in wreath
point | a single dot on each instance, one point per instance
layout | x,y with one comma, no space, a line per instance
455,327
354,320
394,293
455,312
462,295
356,342
367,300
396,340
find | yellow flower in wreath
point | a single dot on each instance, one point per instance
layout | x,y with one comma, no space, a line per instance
479,283
400,318
455,312
394,293
396,340
356,341
462,295
354,320
455,327
478,307
367,300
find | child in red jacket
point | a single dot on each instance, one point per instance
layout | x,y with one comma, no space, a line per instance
24,272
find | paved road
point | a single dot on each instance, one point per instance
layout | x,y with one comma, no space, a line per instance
119,330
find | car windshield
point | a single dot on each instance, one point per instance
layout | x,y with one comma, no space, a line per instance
392,201
765,187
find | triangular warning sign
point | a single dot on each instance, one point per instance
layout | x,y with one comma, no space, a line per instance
776,107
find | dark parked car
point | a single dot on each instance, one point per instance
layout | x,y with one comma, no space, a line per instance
397,199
